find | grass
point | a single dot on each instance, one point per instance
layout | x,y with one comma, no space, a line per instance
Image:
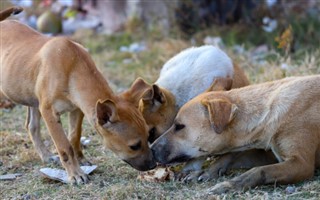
114,179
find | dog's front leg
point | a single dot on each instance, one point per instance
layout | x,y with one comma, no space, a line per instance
292,170
75,123
238,160
61,142
191,170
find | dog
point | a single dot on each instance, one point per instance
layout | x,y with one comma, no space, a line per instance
282,116
54,75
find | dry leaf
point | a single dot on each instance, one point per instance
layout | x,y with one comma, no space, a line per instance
157,175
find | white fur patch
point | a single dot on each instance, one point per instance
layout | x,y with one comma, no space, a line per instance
192,71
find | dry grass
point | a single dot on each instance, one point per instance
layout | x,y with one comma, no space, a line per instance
114,179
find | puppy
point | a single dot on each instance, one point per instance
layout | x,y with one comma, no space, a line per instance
282,116
53,75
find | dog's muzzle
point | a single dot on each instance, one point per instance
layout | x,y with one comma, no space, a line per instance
142,163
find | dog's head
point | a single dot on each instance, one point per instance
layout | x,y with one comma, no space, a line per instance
136,91
158,109
124,131
200,129
158,106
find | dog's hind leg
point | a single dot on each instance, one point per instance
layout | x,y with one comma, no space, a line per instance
75,122
33,126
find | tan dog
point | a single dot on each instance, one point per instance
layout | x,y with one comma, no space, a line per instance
282,116
53,75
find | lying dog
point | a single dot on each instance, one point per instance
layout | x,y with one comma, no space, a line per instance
53,75
282,116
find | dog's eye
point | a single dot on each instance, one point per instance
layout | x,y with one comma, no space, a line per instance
136,146
179,127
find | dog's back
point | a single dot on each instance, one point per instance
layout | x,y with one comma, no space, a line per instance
283,104
193,70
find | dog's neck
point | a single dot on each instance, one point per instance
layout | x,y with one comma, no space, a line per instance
258,116
85,91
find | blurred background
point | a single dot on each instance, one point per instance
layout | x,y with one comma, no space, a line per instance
269,39
131,38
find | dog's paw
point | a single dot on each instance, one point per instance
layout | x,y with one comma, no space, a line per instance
211,174
192,176
204,177
78,178
179,176
221,188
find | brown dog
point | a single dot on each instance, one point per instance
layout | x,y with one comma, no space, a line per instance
282,116
53,75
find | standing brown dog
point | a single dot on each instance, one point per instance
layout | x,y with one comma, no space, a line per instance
282,116
53,75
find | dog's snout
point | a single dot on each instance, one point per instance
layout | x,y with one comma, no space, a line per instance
142,163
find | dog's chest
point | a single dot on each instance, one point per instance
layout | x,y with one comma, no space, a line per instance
61,106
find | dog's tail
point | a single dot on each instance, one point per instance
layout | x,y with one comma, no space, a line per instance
10,11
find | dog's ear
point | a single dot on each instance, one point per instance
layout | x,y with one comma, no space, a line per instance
221,113
106,112
136,91
220,84
154,96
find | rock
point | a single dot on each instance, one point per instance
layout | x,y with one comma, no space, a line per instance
9,176
133,48
290,189
84,141
269,25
